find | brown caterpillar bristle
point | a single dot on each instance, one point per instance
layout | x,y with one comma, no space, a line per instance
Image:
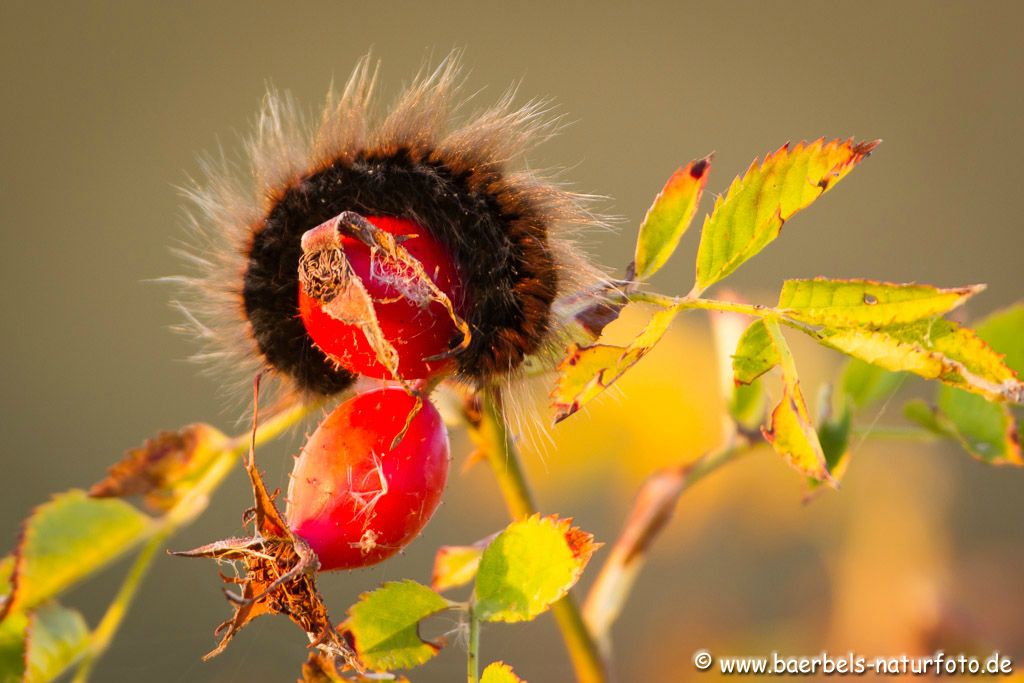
507,229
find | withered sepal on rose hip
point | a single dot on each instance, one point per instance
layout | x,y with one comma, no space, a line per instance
507,229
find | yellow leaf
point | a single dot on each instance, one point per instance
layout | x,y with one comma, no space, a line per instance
752,212
845,303
669,217
934,349
586,371
790,430
500,672
454,566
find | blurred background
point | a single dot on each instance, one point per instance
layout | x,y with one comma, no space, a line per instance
106,106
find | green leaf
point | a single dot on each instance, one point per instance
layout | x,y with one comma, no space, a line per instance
12,647
56,638
934,349
834,435
586,371
669,217
919,412
455,565
529,566
755,353
747,404
69,538
384,625
846,303
500,672
865,384
790,430
989,431
751,214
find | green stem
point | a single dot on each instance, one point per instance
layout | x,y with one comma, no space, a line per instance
503,458
473,665
184,512
690,302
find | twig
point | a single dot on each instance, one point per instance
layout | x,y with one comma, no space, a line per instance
651,511
502,456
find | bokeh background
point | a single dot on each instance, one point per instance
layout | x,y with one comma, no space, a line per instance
106,106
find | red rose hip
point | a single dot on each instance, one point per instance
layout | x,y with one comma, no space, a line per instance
355,500
417,332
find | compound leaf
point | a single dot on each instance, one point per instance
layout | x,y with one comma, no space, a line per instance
529,566
846,303
669,217
66,540
384,625
752,212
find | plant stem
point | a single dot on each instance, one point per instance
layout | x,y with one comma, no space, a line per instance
184,512
652,510
503,458
690,302
474,646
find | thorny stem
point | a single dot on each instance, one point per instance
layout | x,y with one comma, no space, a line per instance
473,664
185,511
503,458
652,510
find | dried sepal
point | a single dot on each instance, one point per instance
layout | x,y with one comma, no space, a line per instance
278,575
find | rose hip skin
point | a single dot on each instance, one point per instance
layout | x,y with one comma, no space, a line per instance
416,333
354,499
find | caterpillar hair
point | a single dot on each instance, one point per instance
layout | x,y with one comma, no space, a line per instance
510,229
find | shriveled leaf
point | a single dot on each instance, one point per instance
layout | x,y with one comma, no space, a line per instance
55,638
162,468
755,354
66,540
529,566
790,429
845,303
990,431
500,672
586,371
864,383
752,212
934,349
455,565
669,217
384,625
